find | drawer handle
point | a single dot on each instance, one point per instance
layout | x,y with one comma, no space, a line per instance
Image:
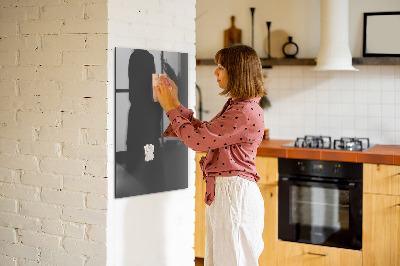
318,254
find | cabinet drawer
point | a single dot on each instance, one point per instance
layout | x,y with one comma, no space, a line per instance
381,179
294,254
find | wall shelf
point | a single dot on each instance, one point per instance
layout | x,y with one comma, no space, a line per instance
312,61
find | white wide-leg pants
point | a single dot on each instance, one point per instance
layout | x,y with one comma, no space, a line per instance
234,223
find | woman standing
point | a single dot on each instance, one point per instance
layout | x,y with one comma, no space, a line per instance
235,207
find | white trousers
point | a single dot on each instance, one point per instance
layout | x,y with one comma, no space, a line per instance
234,223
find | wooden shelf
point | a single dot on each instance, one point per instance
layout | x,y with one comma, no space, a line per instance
312,61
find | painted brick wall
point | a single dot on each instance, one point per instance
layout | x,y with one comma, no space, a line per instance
53,111
154,229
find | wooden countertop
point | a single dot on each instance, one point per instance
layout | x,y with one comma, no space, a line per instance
379,154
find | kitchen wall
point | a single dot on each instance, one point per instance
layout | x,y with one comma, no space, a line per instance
153,229
339,103
53,110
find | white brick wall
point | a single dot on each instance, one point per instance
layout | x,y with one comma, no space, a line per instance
53,110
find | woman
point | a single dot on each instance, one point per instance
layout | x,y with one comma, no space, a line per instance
235,207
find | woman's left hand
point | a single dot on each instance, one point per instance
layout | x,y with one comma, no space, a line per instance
164,95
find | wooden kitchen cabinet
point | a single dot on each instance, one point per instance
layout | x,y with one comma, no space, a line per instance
298,254
200,208
270,233
381,230
381,215
267,167
381,179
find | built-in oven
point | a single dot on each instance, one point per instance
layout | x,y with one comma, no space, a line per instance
320,202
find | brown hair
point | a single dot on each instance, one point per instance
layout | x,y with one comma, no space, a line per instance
245,78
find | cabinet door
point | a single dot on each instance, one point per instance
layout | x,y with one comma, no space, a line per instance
270,233
381,179
267,168
297,254
200,207
381,230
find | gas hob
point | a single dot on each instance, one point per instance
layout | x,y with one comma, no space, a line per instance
325,142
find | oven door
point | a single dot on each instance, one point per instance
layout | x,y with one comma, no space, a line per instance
321,212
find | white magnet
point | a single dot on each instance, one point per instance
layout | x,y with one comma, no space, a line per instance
149,152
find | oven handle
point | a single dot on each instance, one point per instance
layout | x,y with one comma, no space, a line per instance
297,181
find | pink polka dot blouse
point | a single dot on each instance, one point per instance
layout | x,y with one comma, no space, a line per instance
231,139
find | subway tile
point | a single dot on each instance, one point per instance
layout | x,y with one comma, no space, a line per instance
374,97
388,124
360,124
374,123
297,83
348,122
361,110
397,133
334,109
397,123
284,83
373,70
348,132
322,121
310,108
334,81
322,109
348,96
375,136
388,110
397,72
308,72
374,110
296,72
322,74
388,84
335,122
388,137
387,71
322,96
335,95
361,97
347,109
310,95
374,84
388,97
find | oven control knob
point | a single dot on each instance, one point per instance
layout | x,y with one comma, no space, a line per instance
336,169
302,167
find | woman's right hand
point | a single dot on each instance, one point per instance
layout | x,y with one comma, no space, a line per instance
174,90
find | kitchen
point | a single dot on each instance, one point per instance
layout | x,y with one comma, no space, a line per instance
308,104
57,158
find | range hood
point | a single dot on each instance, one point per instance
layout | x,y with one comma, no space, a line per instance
334,51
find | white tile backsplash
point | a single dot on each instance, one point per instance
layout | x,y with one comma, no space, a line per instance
364,103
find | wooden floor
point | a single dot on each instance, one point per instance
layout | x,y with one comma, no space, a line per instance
199,262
